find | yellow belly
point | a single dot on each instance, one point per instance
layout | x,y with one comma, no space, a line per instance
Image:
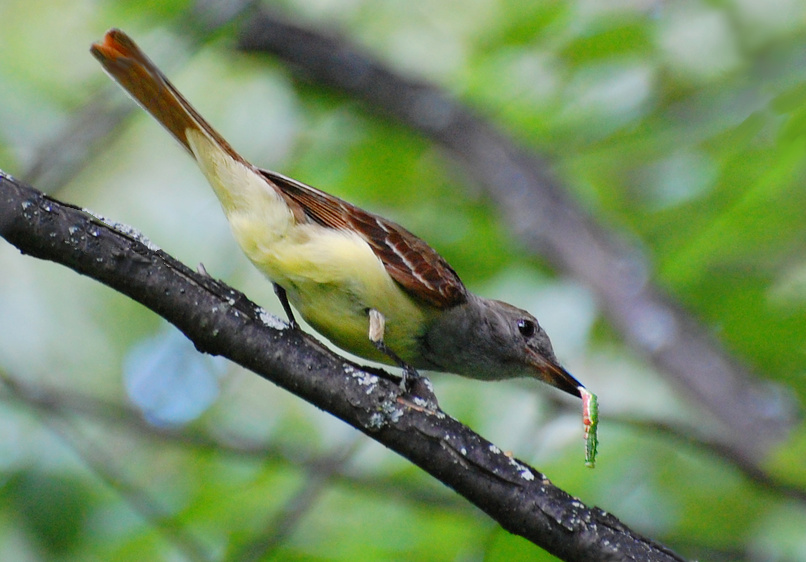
332,277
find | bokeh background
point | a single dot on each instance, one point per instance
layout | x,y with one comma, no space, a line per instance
681,126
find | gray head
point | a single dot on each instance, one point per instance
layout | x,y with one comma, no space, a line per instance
492,340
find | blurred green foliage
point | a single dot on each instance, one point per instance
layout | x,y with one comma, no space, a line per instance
680,124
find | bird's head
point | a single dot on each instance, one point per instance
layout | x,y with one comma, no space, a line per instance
492,340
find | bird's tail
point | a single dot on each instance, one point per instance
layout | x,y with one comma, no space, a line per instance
237,184
133,70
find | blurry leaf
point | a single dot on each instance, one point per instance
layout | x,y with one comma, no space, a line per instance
155,9
52,507
788,463
522,22
622,38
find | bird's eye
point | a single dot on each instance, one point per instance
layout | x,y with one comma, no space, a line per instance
526,327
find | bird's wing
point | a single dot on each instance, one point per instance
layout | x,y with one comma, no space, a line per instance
412,263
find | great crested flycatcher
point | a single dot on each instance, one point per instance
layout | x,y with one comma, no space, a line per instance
364,282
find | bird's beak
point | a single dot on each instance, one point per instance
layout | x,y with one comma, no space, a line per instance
551,373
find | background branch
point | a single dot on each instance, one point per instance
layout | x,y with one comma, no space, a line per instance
221,321
111,471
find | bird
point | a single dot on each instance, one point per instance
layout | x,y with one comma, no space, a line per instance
365,283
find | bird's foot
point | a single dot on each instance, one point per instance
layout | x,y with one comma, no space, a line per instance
281,294
418,392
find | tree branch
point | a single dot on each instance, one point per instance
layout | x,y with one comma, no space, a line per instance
550,223
221,321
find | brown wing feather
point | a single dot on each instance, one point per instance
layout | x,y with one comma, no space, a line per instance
412,263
